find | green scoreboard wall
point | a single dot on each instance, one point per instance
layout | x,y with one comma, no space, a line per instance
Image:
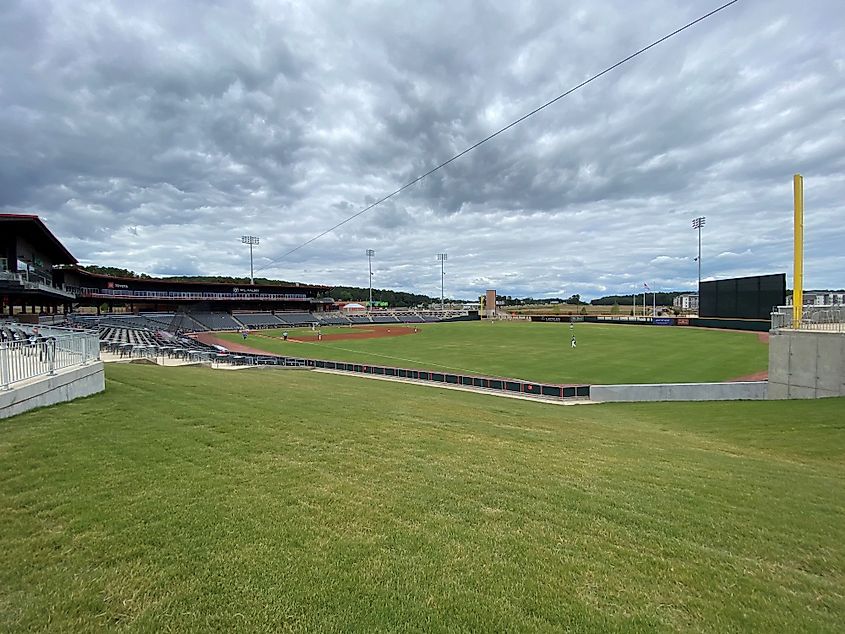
742,297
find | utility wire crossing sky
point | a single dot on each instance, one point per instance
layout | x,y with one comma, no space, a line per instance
152,136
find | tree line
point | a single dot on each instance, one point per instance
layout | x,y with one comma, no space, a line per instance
395,299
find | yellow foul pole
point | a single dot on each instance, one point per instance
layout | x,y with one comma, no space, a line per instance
798,253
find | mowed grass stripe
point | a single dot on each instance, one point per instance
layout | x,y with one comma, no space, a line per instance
184,499
606,354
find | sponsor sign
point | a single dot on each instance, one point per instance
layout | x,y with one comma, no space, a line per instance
238,289
116,285
683,321
664,321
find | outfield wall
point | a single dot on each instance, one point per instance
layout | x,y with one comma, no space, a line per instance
756,325
750,390
494,384
806,364
738,391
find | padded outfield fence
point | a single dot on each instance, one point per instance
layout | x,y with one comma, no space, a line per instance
494,384
731,323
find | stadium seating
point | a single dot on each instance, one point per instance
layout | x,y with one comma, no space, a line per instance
412,319
296,319
335,319
182,322
384,319
217,321
258,320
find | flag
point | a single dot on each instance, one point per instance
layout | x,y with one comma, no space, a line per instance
646,286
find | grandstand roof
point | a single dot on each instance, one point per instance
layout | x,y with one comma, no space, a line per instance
168,281
33,229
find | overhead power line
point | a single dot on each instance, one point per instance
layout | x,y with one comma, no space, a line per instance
500,131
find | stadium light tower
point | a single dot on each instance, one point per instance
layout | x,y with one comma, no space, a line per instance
370,254
441,257
250,240
698,223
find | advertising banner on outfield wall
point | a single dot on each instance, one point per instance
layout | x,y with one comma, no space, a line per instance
664,321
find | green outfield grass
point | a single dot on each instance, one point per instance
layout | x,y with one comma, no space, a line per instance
192,500
541,351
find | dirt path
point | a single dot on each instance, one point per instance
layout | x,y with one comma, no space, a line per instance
367,332
360,332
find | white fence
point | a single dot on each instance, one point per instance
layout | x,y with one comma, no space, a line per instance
45,352
816,318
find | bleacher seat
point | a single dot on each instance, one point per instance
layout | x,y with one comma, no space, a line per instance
296,319
333,320
258,320
217,321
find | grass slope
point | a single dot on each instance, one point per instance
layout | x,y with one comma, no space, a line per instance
185,499
541,351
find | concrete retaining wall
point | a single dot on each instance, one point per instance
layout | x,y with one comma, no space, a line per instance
806,364
65,385
742,391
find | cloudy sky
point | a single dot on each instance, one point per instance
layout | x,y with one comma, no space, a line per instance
152,135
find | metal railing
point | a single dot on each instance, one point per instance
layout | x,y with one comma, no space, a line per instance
36,284
187,295
44,353
829,318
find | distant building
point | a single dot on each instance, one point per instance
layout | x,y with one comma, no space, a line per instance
490,303
688,301
821,298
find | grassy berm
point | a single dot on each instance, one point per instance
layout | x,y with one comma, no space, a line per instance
194,500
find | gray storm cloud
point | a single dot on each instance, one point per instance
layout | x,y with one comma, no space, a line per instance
153,135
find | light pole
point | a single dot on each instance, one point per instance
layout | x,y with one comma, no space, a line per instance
370,254
698,223
441,257
250,240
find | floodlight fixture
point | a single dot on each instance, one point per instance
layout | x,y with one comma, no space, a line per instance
251,241
698,223
370,254
442,257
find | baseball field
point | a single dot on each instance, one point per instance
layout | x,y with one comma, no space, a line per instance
534,351
273,500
